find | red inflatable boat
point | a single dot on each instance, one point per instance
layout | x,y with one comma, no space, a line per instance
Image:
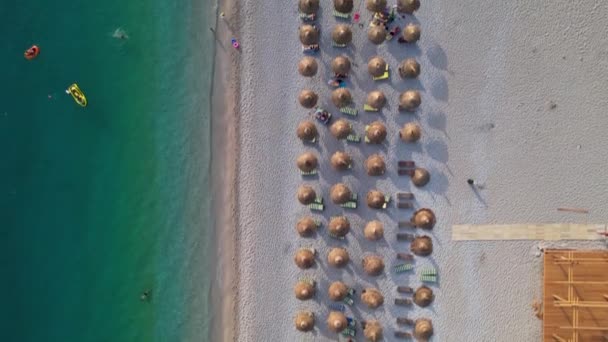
32,52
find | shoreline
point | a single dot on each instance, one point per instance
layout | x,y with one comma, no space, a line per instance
224,120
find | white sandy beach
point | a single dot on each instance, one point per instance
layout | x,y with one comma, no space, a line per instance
513,95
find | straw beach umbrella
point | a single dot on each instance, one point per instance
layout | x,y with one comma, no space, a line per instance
373,331
342,34
340,129
338,257
422,246
423,296
337,291
309,35
375,5
374,230
409,68
339,226
372,298
308,98
307,161
376,66
340,65
304,290
308,66
341,161
373,265
343,6
307,131
336,321
306,226
375,199
376,99
424,218
423,329
375,132
375,165
305,321
408,6
341,97
421,177
409,100
309,6
340,193
306,194
304,258
411,33
377,34
410,132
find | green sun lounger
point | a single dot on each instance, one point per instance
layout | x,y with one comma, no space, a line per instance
349,332
341,15
428,279
349,111
428,275
334,44
316,206
383,76
369,108
307,280
353,138
349,205
319,200
310,173
403,268
348,301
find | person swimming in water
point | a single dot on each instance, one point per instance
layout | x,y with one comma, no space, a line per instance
119,33
145,296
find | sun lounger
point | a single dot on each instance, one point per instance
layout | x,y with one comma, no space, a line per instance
405,224
428,275
352,323
349,111
405,237
348,301
310,48
403,268
308,17
349,332
405,321
353,138
335,236
403,301
349,205
405,196
405,256
403,335
311,173
406,164
428,279
341,15
334,44
316,206
336,307
404,205
387,200
308,280
383,76
369,108
319,200
405,289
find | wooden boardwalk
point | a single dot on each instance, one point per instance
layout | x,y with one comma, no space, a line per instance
556,231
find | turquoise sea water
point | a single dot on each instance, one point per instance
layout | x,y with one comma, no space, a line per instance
100,203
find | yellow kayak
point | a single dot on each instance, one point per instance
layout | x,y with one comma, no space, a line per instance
77,94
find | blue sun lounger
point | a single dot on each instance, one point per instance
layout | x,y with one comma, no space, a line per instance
336,307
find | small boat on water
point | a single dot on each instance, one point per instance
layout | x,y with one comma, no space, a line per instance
32,52
77,94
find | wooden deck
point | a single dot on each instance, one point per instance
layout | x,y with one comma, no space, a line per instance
575,296
553,231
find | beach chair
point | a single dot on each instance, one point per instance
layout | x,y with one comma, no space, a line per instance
383,76
405,237
405,321
405,196
336,45
405,256
403,335
341,15
349,111
428,275
336,307
369,108
403,302
308,17
404,205
405,224
405,289
353,138
403,268
316,206
406,164
310,173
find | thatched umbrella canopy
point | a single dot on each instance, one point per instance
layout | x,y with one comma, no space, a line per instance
308,98
375,199
410,100
411,33
373,331
304,258
306,194
342,34
408,6
307,161
375,165
377,34
337,291
421,177
340,129
336,321
376,99
375,5
373,265
423,329
308,66
338,257
309,35
424,218
307,131
374,230
339,226
306,226
308,6
409,68
343,6
340,65
372,298
340,193
304,290
422,246
376,132
305,321
411,132
423,296
376,66
341,97
341,161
